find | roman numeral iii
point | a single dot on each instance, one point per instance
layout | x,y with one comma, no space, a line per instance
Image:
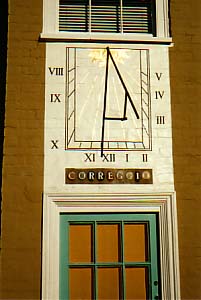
160,120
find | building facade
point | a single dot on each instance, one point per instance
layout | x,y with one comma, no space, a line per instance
101,184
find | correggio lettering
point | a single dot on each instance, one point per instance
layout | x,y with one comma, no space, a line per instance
100,176
110,175
82,175
91,175
129,175
72,175
120,175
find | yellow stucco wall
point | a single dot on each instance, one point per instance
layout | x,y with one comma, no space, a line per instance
23,147
23,153
185,65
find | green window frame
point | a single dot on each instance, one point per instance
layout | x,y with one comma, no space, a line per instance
150,263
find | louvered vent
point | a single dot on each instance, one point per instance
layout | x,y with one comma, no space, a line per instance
106,16
73,15
137,16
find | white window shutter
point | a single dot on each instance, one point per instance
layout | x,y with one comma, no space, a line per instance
136,16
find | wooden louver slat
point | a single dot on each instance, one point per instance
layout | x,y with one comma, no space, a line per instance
73,15
137,16
105,16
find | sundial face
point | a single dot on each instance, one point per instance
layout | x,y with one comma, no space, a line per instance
107,102
107,109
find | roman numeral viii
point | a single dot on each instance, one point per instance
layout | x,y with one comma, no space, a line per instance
56,71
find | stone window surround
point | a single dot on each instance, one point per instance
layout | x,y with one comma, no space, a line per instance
163,204
50,31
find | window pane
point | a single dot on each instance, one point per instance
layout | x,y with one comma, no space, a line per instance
108,283
108,242
135,243
80,243
80,283
136,279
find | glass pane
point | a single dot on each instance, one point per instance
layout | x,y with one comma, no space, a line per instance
108,242
80,243
80,283
135,242
108,283
136,282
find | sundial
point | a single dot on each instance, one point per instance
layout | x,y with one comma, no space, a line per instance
107,103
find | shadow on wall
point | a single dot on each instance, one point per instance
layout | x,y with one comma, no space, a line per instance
3,66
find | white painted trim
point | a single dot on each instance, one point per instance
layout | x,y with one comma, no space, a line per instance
50,21
50,13
62,36
164,204
162,20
